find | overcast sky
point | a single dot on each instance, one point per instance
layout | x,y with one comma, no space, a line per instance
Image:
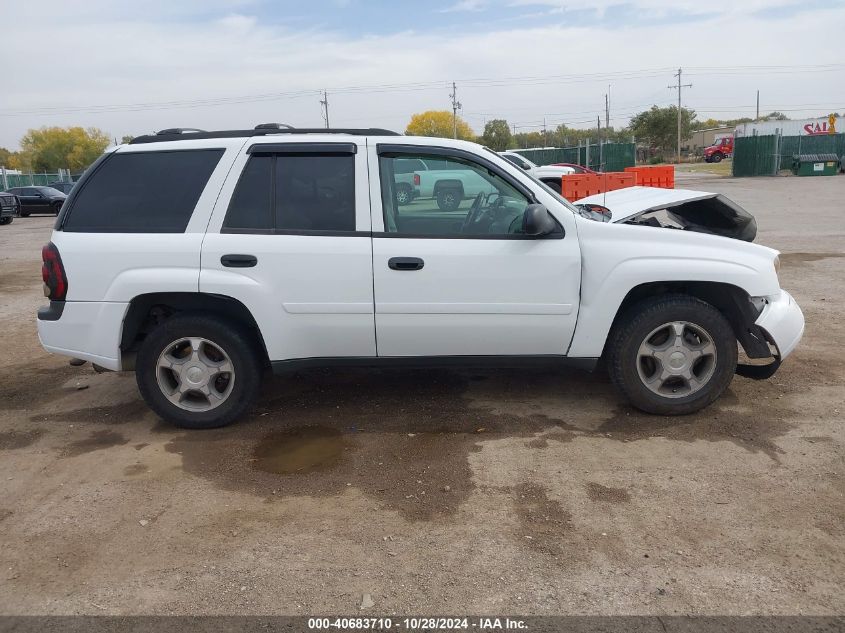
134,67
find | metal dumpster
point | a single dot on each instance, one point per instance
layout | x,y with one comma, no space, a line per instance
815,164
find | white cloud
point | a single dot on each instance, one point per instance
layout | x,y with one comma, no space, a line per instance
157,55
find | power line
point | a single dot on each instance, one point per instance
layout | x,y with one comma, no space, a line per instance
416,86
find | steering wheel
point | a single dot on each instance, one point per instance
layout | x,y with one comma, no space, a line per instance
474,212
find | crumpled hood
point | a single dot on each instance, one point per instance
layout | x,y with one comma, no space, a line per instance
700,211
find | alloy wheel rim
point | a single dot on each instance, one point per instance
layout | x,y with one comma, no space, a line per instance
195,374
676,359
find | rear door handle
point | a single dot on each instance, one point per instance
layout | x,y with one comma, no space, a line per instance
239,261
405,263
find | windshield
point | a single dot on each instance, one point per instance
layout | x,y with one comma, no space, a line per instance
566,203
49,191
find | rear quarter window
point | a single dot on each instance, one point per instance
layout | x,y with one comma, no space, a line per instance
142,192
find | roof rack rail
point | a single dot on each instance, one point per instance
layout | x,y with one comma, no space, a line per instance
273,126
178,130
187,134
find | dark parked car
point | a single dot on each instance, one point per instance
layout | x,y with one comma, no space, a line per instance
39,200
64,187
10,207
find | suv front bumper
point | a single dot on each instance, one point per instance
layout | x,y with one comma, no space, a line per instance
783,321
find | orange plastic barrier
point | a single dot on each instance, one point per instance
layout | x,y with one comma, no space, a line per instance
577,186
663,176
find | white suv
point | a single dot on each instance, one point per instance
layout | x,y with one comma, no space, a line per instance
199,259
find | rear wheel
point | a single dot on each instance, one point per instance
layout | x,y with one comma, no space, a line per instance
448,199
716,158
672,355
24,214
57,207
198,372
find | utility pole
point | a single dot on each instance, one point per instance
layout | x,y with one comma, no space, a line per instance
758,106
456,105
679,87
607,110
324,104
545,142
601,145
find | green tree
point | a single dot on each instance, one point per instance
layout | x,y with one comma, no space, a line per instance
659,126
51,148
497,135
774,116
438,123
126,138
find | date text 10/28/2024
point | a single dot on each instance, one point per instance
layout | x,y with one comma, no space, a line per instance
416,624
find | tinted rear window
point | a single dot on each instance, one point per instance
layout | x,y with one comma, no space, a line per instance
143,192
303,192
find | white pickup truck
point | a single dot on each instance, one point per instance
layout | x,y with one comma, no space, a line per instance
200,259
452,186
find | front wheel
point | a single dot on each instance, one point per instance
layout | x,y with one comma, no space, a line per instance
198,372
404,194
672,355
717,158
5,221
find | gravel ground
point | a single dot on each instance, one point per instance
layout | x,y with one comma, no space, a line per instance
449,492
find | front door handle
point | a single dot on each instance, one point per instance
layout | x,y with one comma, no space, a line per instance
405,263
239,261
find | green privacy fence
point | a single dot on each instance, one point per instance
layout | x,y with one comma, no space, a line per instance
756,155
766,155
9,180
821,144
615,156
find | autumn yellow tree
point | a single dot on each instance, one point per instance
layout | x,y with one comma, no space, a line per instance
9,159
51,148
438,123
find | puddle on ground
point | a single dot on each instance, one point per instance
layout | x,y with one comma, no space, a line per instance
11,440
299,450
136,469
597,492
803,258
98,440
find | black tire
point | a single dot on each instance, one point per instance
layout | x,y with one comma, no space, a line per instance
57,207
243,351
404,194
633,330
716,158
449,199
5,221
24,214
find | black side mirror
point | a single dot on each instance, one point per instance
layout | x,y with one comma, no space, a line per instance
537,221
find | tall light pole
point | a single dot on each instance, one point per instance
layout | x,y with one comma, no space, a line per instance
679,87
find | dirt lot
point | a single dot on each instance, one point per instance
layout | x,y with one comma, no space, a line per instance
435,491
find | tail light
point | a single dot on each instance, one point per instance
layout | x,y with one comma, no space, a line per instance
53,273
417,180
